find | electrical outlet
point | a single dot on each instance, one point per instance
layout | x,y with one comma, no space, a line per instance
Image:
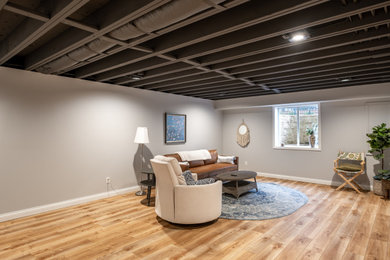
246,162
108,180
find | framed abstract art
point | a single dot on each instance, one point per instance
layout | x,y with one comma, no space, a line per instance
175,128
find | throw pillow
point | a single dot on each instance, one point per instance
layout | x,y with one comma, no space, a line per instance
226,159
190,180
350,156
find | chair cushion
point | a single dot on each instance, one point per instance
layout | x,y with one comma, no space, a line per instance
190,180
349,167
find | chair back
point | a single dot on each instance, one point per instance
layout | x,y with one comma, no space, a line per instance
166,180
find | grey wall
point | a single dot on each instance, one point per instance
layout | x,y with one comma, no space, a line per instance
61,137
344,127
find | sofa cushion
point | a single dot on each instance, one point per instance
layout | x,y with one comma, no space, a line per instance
214,157
212,170
196,163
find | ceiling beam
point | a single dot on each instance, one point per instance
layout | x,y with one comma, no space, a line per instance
274,67
316,55
2,4
324,68
317,42
306,47
225,83
108,18
335,77
192,71
204,82
320,14
278,42
30,29
218,24
333,73
362,64
297,83
133,43
259,92
318,63
151,63
299,58
229,21
180,80
329,11
14,8
161,71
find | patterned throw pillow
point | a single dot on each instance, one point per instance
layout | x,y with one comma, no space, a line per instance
190,180
350,156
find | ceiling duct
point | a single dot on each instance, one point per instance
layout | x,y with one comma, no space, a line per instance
76,56
162,17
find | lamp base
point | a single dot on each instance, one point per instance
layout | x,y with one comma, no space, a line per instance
140,193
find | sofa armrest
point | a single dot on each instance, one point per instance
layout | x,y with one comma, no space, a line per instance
198,203
184,167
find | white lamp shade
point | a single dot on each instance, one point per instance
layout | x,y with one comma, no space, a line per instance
141,136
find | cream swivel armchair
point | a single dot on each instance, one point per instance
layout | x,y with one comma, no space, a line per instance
181,203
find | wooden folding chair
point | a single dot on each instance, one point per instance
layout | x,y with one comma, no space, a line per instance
349,166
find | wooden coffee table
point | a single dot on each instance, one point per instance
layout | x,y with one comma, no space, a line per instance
236,183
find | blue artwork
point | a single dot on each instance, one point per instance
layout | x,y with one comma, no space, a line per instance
175,128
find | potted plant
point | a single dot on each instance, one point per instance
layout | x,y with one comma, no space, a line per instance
311,133
379,141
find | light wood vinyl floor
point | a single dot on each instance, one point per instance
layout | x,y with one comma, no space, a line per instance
332,225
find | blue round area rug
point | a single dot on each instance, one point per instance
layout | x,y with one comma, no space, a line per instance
271,201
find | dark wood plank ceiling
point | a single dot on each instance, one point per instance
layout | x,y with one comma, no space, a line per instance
217,50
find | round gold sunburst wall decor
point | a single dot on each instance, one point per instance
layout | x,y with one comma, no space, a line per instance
243,137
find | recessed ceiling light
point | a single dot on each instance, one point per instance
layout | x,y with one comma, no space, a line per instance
297,36
137,76
345,80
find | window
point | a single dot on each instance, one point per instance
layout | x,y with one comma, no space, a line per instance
292,125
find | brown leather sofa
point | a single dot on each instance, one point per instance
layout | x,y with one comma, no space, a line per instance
207,168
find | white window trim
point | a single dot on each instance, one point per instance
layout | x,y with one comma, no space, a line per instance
296,148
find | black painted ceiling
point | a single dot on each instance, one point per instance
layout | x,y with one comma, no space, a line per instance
212,49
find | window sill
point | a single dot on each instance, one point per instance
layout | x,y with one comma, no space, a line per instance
295,148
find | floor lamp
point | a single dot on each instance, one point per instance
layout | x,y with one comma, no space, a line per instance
141,137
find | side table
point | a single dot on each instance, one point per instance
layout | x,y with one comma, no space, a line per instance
149,182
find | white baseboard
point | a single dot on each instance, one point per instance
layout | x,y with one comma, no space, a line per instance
310,180
63,204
